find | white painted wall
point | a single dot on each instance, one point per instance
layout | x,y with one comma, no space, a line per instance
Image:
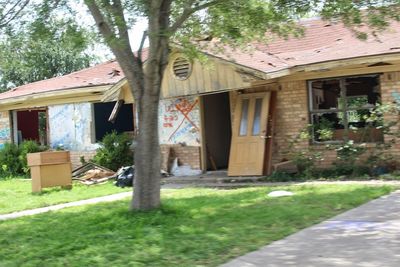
179,121
70,125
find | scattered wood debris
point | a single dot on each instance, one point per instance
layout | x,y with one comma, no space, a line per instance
91,173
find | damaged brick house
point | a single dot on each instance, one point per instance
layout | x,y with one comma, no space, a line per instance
70,111
237,112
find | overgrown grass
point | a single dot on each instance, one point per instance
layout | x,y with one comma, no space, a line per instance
195,227
16,194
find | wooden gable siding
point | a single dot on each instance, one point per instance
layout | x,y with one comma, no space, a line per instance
213,76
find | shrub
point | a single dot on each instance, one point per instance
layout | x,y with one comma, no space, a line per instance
348,154
13,157
305,158
26,147
9,160
114,151
280,176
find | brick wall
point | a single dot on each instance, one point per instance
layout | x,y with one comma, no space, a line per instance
390,94
291,117
187,155
76,155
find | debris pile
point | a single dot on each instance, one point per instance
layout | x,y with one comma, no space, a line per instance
125,176
183,170
91,173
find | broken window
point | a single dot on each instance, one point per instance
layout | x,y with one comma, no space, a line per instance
123,120
340,108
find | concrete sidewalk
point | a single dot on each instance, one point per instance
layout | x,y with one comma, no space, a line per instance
365,236
95,200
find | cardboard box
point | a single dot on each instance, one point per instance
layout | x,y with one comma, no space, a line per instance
49,169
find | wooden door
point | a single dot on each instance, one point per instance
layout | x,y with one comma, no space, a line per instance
249,134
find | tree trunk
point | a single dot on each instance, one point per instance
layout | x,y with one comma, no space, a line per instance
146,193
145,84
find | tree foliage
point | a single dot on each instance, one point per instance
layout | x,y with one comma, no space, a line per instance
42,46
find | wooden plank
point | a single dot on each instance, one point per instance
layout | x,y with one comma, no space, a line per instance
203,141
270,133
61,101
341,72
115,111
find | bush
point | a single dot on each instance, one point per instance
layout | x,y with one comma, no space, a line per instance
28,147
13,158
280,176
9,160
115,151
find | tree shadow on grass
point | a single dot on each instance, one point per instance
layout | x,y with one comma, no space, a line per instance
203,230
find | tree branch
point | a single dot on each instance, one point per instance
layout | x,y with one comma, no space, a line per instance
100,21
188,11
130,64
4,20
140,50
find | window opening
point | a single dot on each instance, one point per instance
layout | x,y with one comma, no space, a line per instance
257,117
244,118
340,108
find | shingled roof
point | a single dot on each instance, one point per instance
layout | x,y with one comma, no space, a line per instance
322,41
107,73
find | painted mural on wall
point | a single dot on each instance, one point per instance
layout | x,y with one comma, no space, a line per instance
179,121
70,126
5,131
396,96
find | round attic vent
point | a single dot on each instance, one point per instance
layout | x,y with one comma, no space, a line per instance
182,68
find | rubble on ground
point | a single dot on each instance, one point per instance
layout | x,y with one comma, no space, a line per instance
90,173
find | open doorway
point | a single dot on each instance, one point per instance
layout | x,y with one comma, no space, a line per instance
31,125
217,130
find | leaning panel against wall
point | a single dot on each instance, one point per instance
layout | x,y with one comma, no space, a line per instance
179,129
5,128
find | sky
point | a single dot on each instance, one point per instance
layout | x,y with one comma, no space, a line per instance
135,34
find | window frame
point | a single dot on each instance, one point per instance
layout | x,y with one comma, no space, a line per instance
345,110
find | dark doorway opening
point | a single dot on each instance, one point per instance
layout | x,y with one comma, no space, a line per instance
32,125
217,130
124,121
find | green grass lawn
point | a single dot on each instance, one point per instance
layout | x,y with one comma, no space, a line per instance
16,194
195,227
